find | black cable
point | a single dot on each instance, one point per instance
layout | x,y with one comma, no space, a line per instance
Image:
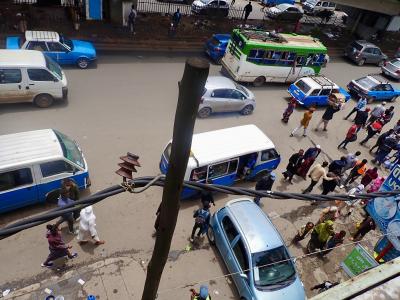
144,181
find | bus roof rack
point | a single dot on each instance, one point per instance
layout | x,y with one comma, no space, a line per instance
263,35
323,81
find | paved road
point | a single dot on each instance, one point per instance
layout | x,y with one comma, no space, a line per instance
128,104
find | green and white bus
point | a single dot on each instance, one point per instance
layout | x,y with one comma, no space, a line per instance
259,56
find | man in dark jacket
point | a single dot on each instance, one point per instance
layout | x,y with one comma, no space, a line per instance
388,144
264,184
294,163
202,220
380,139
247,10
337,166
327,116
361,118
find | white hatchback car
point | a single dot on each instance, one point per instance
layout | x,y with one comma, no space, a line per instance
221,94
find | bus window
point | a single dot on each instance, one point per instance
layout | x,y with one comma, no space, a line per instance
256,55
233,164
287,58
276,55
238,41
199,174
217,170
309,60
269,154
299,61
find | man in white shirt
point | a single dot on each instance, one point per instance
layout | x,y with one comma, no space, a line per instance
316,174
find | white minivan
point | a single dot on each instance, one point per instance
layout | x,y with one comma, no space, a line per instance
313,7
30,76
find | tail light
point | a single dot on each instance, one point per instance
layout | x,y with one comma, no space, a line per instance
217,49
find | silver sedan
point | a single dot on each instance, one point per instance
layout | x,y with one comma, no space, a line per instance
221,94
392,68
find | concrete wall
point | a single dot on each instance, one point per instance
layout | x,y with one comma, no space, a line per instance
394,24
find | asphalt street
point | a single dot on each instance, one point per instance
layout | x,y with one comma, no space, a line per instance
128,103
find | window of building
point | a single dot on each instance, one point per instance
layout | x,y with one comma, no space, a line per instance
10,76
13,179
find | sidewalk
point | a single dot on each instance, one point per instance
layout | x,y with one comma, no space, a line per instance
111,278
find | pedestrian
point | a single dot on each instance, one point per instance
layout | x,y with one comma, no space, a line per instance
351,136
388,115
372,129
388,144
326,285
308,159
358,170
377,112
247,10
361,105
370,174
396,127
289,110
328,213
304,122
303,232
381,139
264,184
207,198
176,19
87,227
327,116
351,160
57,246
337,166
366,226
249,165
336,240
330,185
316,174
73,192
68,217
319,236
294,163
202,221
361,118
132,20
203,294
376,185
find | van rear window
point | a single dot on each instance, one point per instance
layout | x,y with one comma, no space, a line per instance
356,46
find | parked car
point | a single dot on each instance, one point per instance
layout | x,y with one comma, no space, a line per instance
58,47
216,46
210,7
285,12
222,94
254,252
276,2
315,7
316,91
373,87
362,52
392,68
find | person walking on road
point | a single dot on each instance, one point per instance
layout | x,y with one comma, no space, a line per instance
247,10
316,174
320,235
304,122
87,227
294,163
64,200
202,220
57,246
366,226
361,105
289,110
381,139
336,240
337,166
329,186
132,20
207,198
351,136
327,116
73,192
308,159
351,160
303,232
369,176
358,170
388,144
388,115
377,112
372,129
201,295
361,118
264,184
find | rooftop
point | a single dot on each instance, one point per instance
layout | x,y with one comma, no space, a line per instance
18,58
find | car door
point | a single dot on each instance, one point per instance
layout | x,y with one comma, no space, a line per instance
17,188
41,81
236,101
223,173
377,55
220,100
240,259
368,55
387,91
59,52
13,86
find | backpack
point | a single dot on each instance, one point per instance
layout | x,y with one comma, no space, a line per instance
201,216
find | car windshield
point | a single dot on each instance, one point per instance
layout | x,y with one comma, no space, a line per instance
67,42
53,67
356,45
367,83
304,87
273,267
395,62
70,149
242,89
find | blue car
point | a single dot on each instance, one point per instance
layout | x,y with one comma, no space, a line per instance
277,2
62,50
254,253
373,87
216,46
317,91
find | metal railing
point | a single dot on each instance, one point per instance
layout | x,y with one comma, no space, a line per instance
65,3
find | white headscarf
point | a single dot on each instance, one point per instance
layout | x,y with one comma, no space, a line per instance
88,219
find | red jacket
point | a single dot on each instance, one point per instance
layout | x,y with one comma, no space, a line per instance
352,131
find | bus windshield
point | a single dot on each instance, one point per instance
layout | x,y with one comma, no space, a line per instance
53,67
70,149
237,40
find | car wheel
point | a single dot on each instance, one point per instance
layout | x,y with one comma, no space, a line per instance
43,100
52,197
83,63
247,110
259,81
204,112
210,235
361,62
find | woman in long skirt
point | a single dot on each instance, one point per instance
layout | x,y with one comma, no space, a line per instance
289,110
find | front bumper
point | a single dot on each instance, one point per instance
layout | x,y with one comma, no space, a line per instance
65,92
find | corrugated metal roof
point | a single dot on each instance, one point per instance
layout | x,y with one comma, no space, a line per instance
28,147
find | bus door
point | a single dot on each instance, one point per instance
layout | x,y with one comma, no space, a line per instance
267,161
223,173
295,69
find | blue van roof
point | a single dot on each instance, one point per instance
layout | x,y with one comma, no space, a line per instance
255,226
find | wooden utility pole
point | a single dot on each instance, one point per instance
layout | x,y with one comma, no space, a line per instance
190,91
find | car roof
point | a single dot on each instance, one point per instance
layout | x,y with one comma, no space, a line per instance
285,6
316,82
28,147
45,36
366,43
255,226
219,82
220,145
21,58
378,78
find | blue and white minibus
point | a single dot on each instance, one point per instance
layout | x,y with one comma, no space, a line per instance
227,155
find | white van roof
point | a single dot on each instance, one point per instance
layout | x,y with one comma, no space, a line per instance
22,58
218,145
28,147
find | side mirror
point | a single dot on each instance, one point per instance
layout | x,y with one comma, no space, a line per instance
244,276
